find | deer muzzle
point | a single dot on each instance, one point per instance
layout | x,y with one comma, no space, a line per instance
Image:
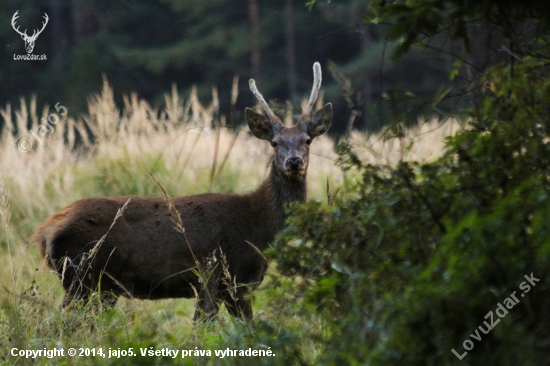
294,164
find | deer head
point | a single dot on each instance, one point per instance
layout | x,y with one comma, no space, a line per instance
291,144
29,40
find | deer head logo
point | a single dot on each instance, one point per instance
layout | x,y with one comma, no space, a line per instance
29,40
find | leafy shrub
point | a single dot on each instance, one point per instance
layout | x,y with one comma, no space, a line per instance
409,261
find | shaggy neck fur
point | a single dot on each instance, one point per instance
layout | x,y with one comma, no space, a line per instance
283,190
279,190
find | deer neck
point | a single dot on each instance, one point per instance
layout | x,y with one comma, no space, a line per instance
279,190
283,190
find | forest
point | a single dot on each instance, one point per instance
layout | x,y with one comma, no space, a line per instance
424,239
146,46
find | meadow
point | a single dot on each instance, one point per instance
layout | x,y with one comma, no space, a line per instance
108,151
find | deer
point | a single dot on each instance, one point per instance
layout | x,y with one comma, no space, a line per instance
29,40
142,255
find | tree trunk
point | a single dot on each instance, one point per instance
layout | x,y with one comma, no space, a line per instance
253,13
290,49
77,13
58,37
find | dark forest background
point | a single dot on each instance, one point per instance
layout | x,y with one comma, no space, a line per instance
146,45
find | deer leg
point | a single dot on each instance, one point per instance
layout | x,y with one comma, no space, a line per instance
80,295
76,290
238,304
107,300
72,300
80,284
206,307
208,303
109,291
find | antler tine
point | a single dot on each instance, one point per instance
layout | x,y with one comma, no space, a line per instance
262,101
14,18
46,18
13,21
317,78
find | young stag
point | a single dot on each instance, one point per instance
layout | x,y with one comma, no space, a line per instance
143,256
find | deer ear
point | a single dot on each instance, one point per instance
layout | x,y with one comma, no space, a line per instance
259,125
320,122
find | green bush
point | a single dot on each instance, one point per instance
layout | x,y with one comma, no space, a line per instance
407,263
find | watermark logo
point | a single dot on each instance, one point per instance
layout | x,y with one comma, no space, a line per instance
25,144
29,40
501,311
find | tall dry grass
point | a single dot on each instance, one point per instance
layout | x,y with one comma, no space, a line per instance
108,151
185,138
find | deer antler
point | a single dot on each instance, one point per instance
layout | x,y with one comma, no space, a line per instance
262,102
43,26
24,34
317,78
13,19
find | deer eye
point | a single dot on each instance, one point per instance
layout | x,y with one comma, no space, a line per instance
274,144
308,141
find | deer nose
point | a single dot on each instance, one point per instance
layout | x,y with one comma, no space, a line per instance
294,163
